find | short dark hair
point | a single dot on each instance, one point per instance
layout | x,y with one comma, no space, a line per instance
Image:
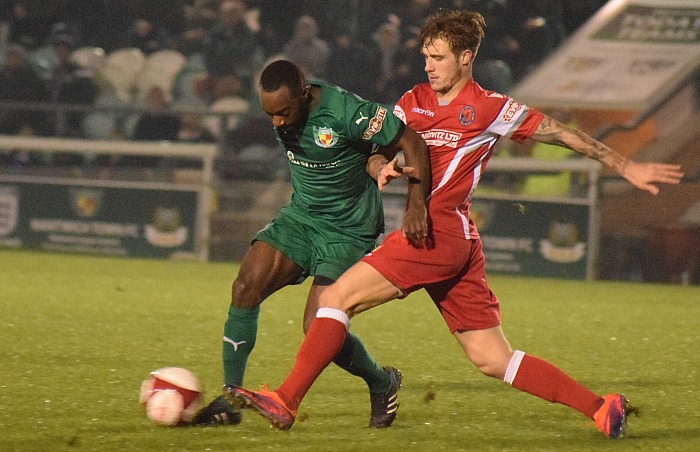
282,73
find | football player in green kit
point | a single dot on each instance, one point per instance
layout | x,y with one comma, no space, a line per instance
334,218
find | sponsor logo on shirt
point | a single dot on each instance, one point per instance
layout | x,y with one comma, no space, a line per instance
466,115
375,124
511,109
295,161
399,113
325,137
437,137
422,111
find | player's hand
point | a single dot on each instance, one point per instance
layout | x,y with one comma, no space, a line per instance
392,171
645,175
415,225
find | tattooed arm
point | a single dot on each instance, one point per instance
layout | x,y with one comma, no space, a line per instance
641,175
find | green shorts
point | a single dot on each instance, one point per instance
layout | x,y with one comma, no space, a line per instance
318,247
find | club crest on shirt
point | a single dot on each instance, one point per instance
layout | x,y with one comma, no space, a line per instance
466,115
325,137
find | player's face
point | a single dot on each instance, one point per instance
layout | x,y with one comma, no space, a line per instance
284,109
447,72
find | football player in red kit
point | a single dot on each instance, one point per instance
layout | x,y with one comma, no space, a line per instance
461,122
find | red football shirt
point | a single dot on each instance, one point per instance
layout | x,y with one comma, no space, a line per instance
461,136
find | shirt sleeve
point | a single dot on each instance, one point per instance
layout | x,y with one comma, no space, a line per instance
373,122
517,121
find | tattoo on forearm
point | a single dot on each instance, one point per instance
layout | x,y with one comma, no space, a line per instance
553,132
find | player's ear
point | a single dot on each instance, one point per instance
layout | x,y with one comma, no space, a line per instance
467,57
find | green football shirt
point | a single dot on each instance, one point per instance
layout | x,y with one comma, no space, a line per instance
327,159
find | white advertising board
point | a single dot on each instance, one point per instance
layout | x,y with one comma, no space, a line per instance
627,56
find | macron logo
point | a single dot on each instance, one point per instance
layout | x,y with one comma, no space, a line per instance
234,343
422,111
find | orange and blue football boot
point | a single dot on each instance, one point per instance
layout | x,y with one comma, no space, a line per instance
267,403
611,417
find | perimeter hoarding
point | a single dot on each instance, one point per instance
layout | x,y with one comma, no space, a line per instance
98,219
527,238
533,238
629,55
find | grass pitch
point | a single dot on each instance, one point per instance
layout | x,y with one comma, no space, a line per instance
78,334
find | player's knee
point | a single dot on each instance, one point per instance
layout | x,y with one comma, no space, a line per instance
308,318
245,293
491,365
491,369
330,297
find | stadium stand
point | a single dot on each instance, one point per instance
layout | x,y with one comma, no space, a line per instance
125,74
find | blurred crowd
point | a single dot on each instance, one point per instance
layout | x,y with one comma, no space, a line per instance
62,52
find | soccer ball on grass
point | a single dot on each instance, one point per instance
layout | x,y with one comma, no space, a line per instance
171,396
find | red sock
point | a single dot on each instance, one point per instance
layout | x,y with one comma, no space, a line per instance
544,380
323,341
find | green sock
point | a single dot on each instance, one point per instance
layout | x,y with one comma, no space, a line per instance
240,331
354,358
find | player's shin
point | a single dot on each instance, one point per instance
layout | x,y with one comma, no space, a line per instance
355,359
322,342
240,331
542,379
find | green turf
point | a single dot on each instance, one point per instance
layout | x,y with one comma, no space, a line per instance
78,334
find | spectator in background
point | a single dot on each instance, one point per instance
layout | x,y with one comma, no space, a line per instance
307,50
101,23
554,183
73,85
405,75
29,22
358,18
230,47
192,130
19,82
388,39
275,28
228,97
412,15
200,18
166,15
69,84
389,47
352,64
145,35
156,124
539,29
497,54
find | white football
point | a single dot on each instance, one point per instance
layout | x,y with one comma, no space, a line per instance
171,395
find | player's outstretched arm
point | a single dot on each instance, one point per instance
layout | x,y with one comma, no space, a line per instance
642,175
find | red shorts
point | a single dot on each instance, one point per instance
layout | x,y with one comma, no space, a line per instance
452,272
